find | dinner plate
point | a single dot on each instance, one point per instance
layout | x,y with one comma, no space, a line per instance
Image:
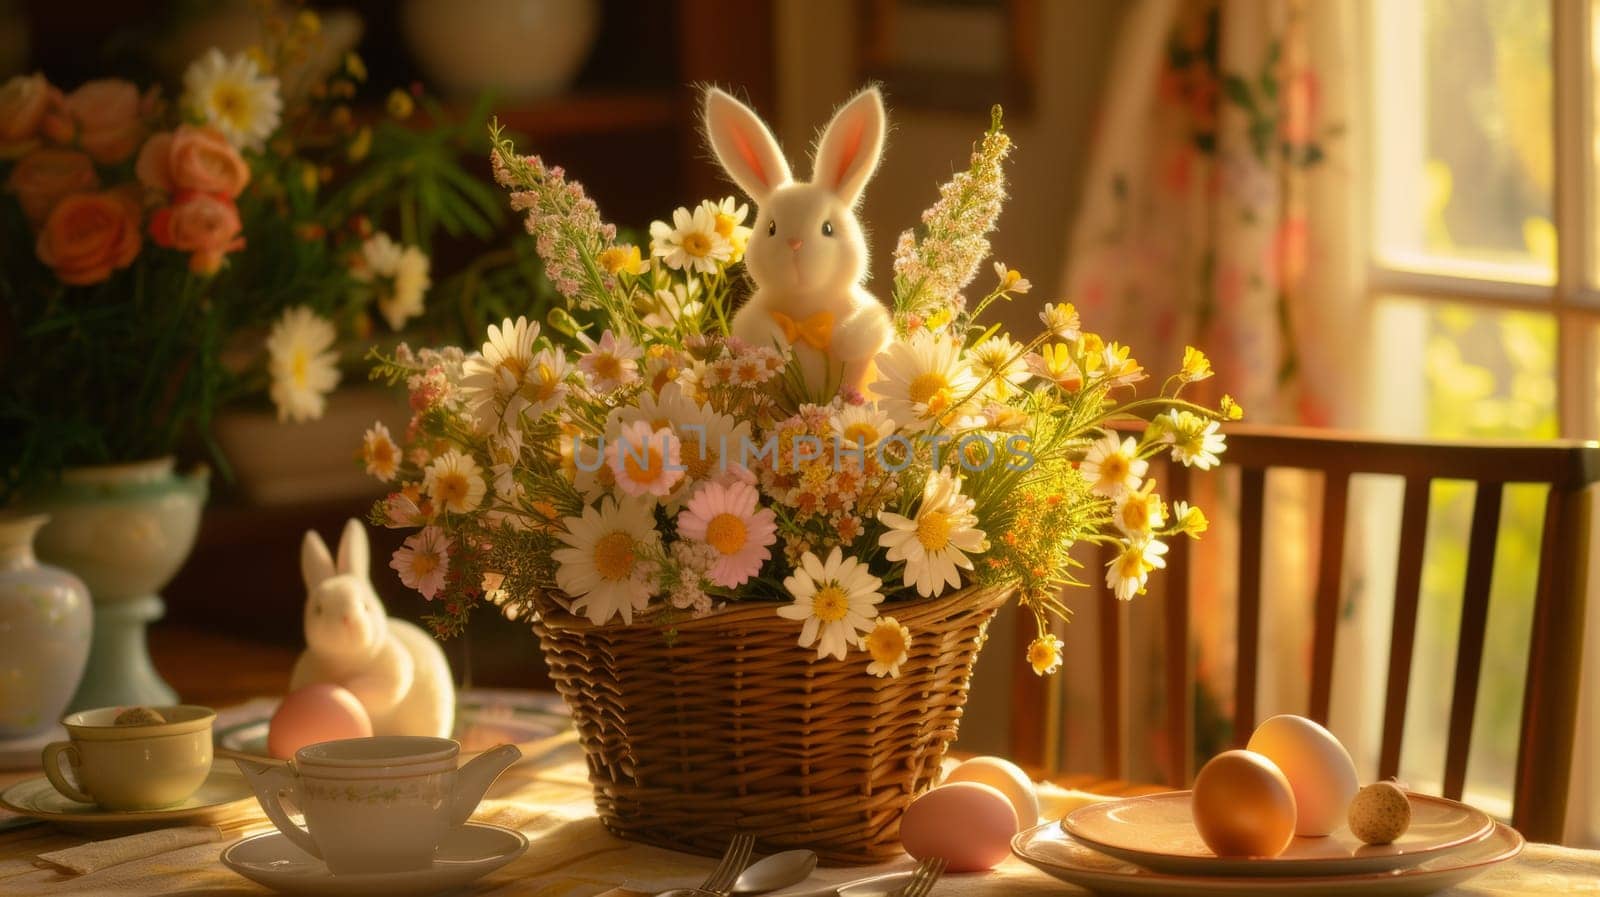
223,793
484,718
1157,831
1057,853
467,854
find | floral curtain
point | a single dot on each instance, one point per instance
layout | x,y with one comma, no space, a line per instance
1222,211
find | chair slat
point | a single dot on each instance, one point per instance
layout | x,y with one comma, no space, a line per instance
1330,570
1029,694
1179,678
1112,679
1469,644
1252,494
1403,631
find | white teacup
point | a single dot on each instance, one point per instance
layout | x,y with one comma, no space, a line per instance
380,804
143,767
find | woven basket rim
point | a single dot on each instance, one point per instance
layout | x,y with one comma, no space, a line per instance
558,618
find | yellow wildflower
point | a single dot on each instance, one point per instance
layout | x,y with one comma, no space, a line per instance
1196,366
1044,655
624,259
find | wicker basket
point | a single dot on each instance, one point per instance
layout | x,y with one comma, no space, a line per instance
731,727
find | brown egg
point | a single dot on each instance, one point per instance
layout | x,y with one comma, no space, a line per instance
1243,806
1380,813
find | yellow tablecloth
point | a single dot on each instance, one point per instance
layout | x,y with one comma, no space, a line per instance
547,797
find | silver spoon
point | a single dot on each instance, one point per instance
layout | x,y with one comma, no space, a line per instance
776,872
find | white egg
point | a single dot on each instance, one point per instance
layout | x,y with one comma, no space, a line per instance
1005,777
1317,766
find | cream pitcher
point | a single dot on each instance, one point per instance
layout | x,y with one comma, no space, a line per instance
380,804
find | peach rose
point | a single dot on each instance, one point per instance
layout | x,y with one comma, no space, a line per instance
193,158
203,224
43,177
88,235
103,116
24,101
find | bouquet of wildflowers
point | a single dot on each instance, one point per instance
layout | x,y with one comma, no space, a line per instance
162,258
629,461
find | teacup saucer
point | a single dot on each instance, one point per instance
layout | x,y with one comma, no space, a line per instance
467,854
217,797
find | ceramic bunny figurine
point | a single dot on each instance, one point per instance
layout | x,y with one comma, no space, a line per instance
395,669
807,253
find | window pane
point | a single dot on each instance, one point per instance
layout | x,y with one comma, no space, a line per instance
1463,138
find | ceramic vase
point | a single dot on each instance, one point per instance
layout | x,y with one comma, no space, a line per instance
521,49
125,529
44,632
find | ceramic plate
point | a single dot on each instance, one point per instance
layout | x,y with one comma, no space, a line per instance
484,718
216,799
1055,852
467,854
1157,831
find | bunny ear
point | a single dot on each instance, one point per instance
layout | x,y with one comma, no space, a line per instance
848,152
744,146
354,555
315,562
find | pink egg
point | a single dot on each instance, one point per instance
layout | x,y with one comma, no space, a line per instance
320,712
969,824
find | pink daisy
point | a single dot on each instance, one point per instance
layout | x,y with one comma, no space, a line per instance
645,461
724,516
423,561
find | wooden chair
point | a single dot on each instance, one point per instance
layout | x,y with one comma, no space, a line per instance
1550,699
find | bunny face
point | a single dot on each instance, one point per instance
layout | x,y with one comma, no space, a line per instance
806,241
343,617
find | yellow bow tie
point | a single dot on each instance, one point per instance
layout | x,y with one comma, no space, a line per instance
815,330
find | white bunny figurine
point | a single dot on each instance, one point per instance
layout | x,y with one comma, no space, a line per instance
395,669
807,254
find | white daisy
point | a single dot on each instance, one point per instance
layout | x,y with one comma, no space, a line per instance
401,275
1195,440
1110,466
608,567
837,599
1138,511
379,453
889,644
1190,520
543,387
611,363
1128,572
490,379
691,242
676,309
863,425
1062,320
923,381
934,543
455,483
423,561
727,218
302,363
1002,359
645,461
232,94
1044,654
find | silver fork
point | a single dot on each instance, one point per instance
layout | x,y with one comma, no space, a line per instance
928,872
720,882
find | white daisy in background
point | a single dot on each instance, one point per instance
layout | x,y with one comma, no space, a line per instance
1044,654
645,460
611,363
379,453
934,543
863,425
1011,280
729,519
690,242
668,309
400,274
455,483
1001,359
1195,440
498,373
1128,572
232,94
302,363
423,560
889,644
1138,511
837,599
727,218
923,380
608,567
1110,466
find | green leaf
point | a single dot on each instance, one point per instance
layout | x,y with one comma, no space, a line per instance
1237,90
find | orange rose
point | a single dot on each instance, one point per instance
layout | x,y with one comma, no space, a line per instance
24,101
204,224
193,158
88,235
102,116
43,177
